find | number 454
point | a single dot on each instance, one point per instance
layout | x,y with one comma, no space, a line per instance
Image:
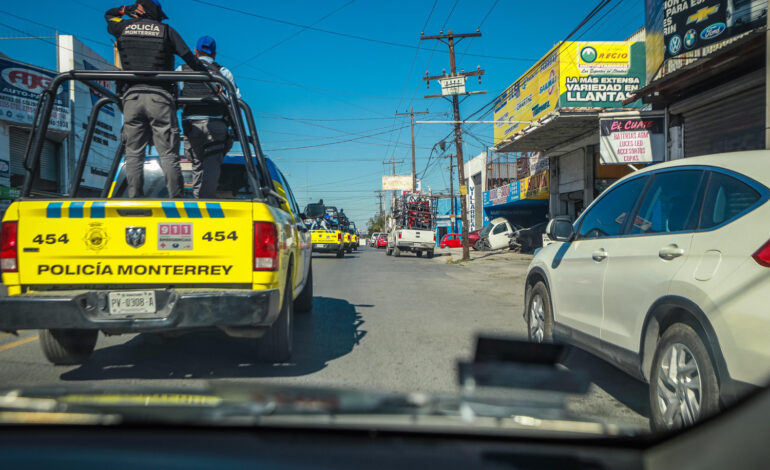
220,236
50,239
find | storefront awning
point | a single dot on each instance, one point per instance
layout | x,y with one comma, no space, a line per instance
560,127
733,60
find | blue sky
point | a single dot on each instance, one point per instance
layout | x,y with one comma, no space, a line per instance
336,95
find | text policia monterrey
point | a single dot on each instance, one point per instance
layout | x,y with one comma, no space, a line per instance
100,269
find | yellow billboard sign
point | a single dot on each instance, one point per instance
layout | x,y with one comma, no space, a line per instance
572,75
535,186
531,97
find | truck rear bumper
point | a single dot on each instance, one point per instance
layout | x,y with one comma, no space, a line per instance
176,309
415,246
327,247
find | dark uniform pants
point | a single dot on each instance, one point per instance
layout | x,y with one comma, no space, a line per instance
205,145
149,116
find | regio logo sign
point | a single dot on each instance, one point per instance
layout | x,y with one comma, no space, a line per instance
588,54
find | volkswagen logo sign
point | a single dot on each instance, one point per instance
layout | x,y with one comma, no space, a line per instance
135,236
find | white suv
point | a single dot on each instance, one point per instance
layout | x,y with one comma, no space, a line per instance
667,276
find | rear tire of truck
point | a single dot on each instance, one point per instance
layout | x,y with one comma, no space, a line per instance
68,347
276,344
396,252
419,254
304,303
341,254
430,254
388,251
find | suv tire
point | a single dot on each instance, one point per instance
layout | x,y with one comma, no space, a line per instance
304,303
683,383
276,345
396,252
538,313
68,347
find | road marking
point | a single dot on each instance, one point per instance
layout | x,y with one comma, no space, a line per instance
8,346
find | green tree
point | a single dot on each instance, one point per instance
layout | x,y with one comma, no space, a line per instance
376,224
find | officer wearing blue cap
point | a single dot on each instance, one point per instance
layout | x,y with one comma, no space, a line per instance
205,125
149,109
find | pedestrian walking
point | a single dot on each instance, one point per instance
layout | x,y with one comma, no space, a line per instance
206,125
149,109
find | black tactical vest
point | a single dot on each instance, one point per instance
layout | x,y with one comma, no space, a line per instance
144,45
212,106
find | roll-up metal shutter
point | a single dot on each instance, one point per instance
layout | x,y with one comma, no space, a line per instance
49,162
572,171
727,118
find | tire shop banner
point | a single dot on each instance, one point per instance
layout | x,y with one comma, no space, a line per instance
691,24
20,89
625,140
572,75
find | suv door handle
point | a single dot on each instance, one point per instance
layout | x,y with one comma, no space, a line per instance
599,255
670,252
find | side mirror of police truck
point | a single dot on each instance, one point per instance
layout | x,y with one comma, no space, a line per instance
560,230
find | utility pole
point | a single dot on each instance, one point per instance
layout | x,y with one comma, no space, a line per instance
451,86
380,195
411,115
453,216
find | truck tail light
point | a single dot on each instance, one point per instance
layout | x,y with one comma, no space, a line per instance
9,248
761,256
434,237
265,247
339,237
399,235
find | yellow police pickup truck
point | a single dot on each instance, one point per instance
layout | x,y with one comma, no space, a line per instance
326,233
77,265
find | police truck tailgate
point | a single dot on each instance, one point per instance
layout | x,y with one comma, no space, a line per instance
135,242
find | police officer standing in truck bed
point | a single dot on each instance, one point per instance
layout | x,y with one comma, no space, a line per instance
149,109
205,125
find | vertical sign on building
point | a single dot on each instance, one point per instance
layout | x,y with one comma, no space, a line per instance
74,55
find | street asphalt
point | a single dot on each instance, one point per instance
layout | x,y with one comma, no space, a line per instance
379,323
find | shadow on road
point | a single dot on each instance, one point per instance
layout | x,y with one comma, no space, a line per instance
330,332
624,388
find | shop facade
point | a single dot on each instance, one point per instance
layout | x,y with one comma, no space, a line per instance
555,108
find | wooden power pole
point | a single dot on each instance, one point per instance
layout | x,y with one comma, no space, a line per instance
411,115
454,85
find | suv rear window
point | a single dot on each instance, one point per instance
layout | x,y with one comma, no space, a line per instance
726,199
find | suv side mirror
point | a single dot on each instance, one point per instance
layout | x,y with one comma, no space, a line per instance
560,230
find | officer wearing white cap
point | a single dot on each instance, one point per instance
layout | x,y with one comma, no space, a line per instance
149,109
205,125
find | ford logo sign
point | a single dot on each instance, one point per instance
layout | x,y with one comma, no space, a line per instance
712,31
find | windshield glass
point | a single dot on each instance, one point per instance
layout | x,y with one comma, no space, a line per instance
589,183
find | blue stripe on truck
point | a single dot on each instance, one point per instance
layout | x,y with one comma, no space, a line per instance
53,211
192,210
215,210
76,210
97,210
170,210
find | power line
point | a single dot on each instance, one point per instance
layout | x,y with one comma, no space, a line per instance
337,33
270,48
329,90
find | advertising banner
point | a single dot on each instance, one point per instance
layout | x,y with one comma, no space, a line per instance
74,55
535,186
691,24
631,140
600,74
397,183
20,88
572,75
531,97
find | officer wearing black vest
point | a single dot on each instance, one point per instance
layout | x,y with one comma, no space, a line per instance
149,109
205,125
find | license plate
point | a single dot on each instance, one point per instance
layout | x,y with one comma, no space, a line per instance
132,302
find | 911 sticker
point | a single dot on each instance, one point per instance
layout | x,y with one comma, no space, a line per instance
175,237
